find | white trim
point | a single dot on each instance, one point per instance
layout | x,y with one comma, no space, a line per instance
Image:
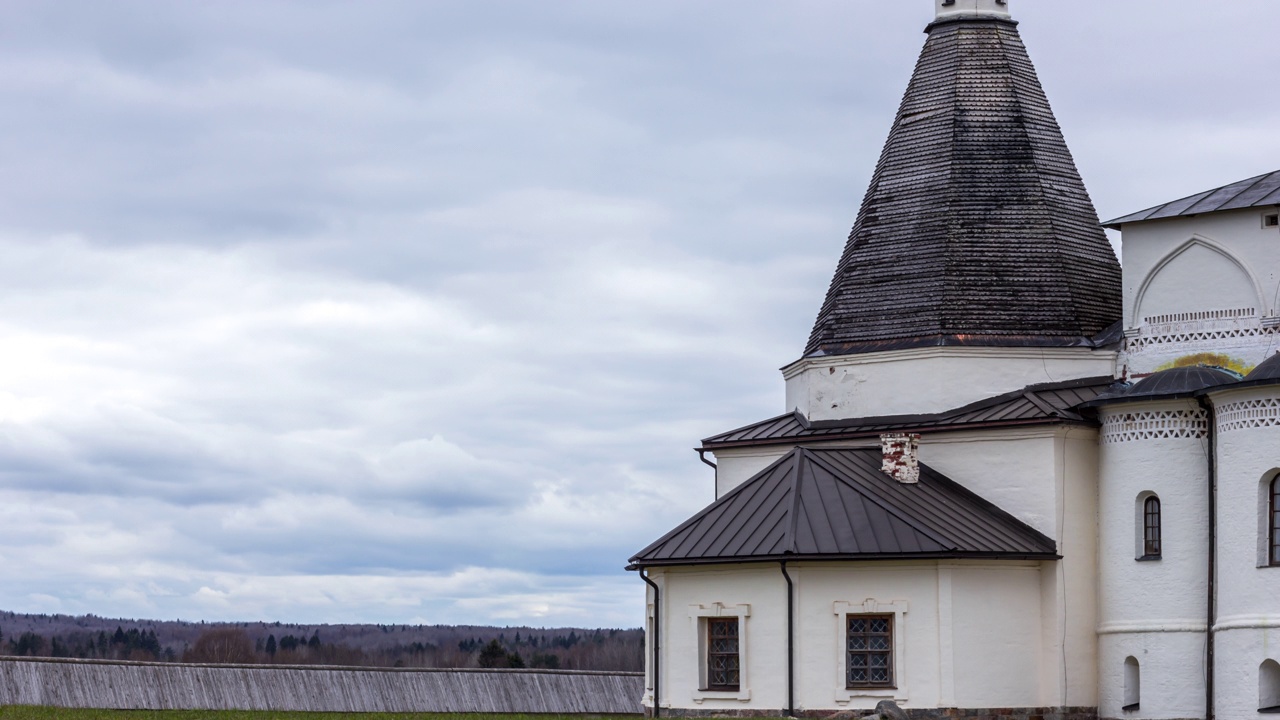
1204,242
950,351
1154,626
1247,622
698,615
898,608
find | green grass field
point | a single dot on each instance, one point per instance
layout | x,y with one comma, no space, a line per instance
48,713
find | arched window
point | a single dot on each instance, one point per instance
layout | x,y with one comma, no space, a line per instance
1273,541
1132,684
1269,687
1151,544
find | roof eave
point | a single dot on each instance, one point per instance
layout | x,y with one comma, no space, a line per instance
637,564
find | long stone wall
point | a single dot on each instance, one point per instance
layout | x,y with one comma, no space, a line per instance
138,686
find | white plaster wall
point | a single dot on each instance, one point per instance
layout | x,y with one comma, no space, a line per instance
1238,654
969,632
928,380
1153,607
1069,588
1208,282
971,7
1248,618
737,465
1187,267
996,632
1168,690
1013,468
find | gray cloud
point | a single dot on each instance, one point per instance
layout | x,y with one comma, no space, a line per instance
411,311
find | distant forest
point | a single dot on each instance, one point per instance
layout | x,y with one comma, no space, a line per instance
423,646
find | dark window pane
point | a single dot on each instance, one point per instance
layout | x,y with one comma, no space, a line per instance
869,651
722,654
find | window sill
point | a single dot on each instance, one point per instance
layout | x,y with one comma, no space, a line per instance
1130,708
700,695
1273,710
1148,558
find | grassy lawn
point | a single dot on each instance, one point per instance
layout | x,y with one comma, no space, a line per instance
48,713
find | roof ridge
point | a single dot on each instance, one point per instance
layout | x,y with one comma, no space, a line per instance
1151,212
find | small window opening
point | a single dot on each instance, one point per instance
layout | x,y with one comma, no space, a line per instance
723,663
1273,545
1151,541
1132,684
1269,687
869,651
1270,221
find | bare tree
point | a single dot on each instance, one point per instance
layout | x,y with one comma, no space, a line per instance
221,645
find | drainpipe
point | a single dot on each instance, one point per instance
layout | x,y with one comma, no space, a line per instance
791,635
657,650
1213,555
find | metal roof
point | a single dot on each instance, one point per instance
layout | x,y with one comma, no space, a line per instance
1181,382
1048,403
837,505
976,228
1259,191
1268,369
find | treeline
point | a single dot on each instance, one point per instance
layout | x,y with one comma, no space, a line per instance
425,646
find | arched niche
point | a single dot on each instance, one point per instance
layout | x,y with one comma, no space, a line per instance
1198,275
1132,684
1269,686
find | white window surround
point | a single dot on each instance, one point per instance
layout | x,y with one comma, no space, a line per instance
698,616
898,608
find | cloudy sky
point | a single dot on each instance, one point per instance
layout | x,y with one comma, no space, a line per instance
412,311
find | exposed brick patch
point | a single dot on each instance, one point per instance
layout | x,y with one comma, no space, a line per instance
901,456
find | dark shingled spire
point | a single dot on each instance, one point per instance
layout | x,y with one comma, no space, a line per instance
977,229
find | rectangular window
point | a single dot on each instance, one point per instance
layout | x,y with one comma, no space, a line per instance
1270,221
723,665
1275,521
869,651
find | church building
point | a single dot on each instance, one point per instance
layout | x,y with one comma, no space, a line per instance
1012,480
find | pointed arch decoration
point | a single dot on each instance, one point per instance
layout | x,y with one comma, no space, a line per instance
1197,240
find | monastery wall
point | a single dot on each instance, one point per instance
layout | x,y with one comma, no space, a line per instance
179,686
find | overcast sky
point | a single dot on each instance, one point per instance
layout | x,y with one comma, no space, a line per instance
412,311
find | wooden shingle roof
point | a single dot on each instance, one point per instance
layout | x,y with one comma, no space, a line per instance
837,505
976,228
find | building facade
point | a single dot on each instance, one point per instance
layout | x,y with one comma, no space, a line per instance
1012,480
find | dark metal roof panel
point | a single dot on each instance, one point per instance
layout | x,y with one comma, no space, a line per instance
1169,384
1259,191
1268,369
1047,403
837,504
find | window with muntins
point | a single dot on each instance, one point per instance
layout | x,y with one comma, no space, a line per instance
723,668
1274,541
869,651
1151,528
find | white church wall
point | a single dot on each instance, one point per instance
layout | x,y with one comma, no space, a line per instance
928,380
1202,284
1069,587
1012,468
735,466
1248,613
966,633
1153,610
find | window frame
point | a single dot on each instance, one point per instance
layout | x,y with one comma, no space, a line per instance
711,626
842,693
1273,523
1152,524
699,620
867,652
1148,526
